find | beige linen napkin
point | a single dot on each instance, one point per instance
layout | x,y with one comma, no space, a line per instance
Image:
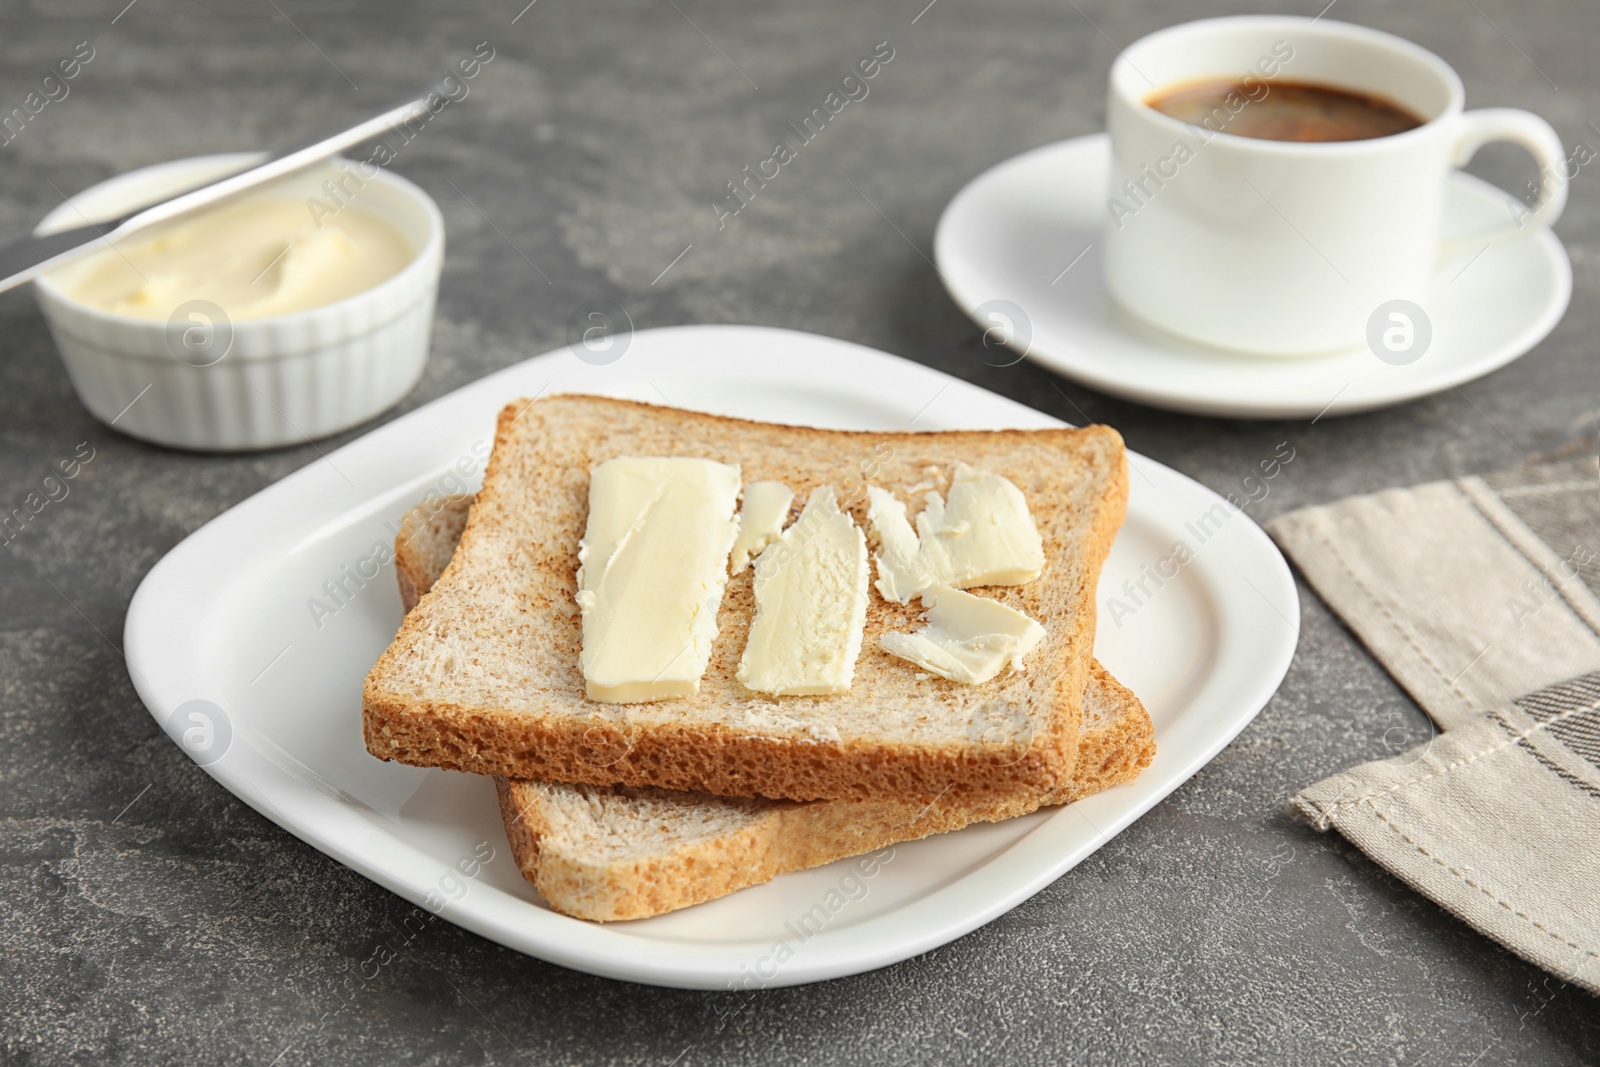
1480,596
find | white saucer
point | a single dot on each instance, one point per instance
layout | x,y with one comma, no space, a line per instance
1029,232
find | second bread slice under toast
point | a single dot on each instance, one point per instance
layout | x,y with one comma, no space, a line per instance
609,852
484,676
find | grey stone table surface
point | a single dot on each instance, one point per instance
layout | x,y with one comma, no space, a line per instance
150,917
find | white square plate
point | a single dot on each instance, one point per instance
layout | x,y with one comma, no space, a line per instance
230,652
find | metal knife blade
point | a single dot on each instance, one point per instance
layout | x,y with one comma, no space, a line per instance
25,259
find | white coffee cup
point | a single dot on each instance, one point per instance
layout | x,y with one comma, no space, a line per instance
1287,247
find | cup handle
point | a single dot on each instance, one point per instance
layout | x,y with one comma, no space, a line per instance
1518,127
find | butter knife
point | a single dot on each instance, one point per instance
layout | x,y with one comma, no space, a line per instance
25,259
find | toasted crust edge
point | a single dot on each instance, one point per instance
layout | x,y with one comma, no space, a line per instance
699,759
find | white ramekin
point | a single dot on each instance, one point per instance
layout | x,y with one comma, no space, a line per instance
283,380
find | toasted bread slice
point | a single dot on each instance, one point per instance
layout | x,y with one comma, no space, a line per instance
612,852
484,675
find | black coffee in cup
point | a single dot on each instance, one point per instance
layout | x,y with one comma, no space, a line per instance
1284,110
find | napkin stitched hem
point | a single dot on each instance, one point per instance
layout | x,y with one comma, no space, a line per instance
1323,820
